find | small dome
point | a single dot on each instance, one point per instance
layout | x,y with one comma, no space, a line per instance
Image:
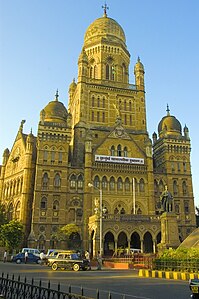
73,86
138,66
55,111
169,125
105,28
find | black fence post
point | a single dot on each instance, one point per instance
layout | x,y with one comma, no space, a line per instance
97,294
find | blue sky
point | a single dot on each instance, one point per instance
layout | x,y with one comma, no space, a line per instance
40,42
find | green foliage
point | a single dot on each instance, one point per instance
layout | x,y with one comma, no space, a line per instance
11,234
180,254
64,233
3,218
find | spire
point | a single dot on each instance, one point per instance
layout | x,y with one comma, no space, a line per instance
57,95
168,110
138,59
105,7
21,126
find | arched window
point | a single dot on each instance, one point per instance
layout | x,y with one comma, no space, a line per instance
45,155
156,187
184,188
57,180
56,205
96,182
10,212
130,106
119,150
91,72
107,72
127,184
73,181
142,185
52,156
112,184
123,72
104,183
122,211
177,209
45,181
60,157
43,203
119,184
80,181
139,211
175,188
186,207
116,211
95,72
103,103
112,150
93,101
17,210
98,101
125,152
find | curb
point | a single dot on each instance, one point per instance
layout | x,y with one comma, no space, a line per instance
168,274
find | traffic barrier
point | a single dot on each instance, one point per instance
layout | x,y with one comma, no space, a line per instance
168,274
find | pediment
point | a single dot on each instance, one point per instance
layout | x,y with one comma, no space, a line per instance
119,132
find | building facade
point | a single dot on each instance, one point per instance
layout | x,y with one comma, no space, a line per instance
94,163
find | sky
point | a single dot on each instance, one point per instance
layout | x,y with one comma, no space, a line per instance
40,42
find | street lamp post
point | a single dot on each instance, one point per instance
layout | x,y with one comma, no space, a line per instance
100,216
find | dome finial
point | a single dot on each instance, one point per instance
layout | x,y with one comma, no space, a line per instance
105,7
57,95
168,110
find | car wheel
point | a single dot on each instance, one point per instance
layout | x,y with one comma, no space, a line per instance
18,261
76,267
54,266
38,262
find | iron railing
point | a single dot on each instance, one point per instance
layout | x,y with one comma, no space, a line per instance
11,288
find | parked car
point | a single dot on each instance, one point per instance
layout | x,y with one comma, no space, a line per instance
20,258
67,261
31,250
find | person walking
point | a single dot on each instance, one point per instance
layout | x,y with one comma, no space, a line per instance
26,257
5,256
99,261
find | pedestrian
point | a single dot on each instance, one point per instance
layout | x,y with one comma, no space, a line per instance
99,261
5,256
87,256
42,257
26,256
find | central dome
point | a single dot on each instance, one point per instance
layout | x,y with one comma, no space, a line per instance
105,28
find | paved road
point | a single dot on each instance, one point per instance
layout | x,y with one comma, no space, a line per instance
116,281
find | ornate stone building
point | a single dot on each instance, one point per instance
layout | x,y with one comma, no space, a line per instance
94,163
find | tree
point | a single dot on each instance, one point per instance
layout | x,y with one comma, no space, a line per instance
70,234
3,218
11,234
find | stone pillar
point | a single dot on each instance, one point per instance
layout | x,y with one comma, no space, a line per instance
142,245
169,231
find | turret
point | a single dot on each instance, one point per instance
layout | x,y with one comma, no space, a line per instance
186,132
139,75
82,66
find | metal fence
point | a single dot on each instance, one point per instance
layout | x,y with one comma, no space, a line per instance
191,266
11,288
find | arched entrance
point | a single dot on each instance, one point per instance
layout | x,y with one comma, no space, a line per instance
135,241
109,244
158,238
122,241
148,243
